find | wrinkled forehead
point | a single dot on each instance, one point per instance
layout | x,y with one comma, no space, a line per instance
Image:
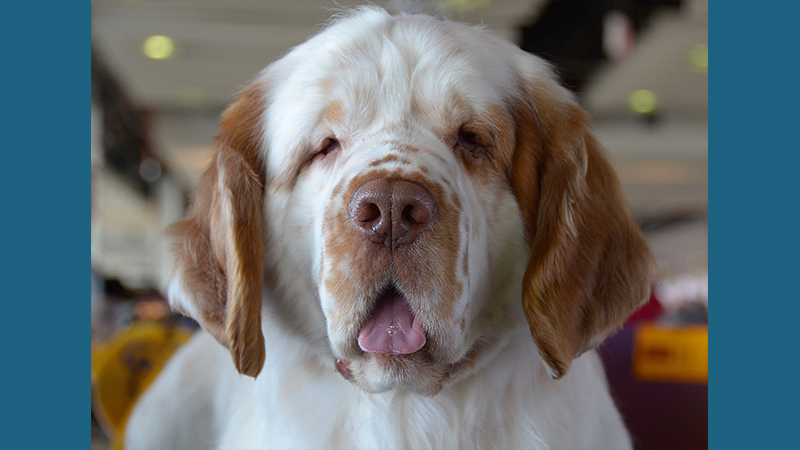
363,73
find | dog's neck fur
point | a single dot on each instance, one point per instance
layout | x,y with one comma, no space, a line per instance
299,387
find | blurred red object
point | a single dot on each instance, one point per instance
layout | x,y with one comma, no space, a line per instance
652,310
659,415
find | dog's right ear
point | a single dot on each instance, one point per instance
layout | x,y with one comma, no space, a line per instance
219,246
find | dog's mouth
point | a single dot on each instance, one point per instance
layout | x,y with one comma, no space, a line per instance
396,351
392,327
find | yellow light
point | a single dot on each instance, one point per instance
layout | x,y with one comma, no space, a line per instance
643,101
158,47
698,58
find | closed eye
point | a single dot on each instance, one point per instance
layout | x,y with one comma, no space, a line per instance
330,145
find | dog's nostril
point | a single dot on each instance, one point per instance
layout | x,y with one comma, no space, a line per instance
368,212
417,214
408,214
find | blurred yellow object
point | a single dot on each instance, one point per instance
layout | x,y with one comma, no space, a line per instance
124,366
643,101
677,354
158,47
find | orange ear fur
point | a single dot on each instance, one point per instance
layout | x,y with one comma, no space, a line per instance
590,267
219,245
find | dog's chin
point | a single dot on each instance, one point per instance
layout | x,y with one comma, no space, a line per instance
417,373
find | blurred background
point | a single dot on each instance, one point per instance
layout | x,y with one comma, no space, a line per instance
162,72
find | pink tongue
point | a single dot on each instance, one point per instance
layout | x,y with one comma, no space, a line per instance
392,328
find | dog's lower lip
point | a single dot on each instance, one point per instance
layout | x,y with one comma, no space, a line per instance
343,367
454,368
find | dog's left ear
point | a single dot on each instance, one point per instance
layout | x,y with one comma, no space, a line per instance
590,267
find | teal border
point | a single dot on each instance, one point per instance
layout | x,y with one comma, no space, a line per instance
753,233
45,162
752,238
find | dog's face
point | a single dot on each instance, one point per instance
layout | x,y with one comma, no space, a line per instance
400,183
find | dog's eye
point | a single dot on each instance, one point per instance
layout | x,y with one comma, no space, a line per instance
468,141
330,145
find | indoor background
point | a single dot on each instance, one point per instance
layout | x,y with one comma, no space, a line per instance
162,72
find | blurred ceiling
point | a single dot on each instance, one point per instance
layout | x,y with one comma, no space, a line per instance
662,157
220,45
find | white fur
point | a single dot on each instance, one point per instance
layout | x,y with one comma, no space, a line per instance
201,402
506,399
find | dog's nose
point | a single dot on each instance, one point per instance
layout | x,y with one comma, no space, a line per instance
390,210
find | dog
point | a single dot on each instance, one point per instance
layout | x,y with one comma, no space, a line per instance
409,238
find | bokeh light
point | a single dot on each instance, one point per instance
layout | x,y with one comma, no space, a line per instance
643,101
698,58
158,47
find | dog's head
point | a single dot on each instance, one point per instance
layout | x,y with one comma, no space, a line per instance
389,190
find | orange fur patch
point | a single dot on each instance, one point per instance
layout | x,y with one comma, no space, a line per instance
590,266
219,246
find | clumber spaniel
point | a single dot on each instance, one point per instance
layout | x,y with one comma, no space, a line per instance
409,238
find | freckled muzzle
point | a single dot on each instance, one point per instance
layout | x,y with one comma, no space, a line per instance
391,258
